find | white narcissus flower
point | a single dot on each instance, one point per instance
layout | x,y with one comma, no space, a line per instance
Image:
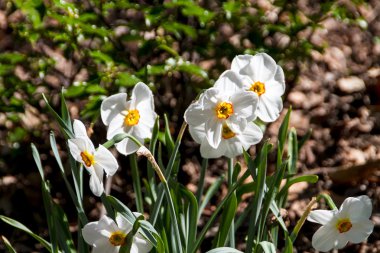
107,236
223,106
231,144
135,117
350,223
94,160
261,75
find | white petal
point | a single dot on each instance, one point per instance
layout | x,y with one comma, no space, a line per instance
141,131
356,208
209,152
127,146
274,89
112,106
245,104
116,126
123,223
104,246
360,231
325,239
240,61
79,129
236,124
341,241
233,148
90,232
268,110
140,244
262,67
198,133
195,115
320,216
211,98
142,92
213,132
106,160
280,77
229,82
76,149
147,117
251,135
96,185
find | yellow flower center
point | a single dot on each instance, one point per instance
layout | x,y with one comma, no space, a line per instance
132,118
87,158
227,132
117,238
224,110
258,87
344,225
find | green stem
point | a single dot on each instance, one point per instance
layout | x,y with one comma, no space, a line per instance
301,221
201,180
217,210
231,233
136,183
175,223
328,199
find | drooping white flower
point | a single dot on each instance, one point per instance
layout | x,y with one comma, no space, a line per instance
223,105
135,117
94,160
350,223
263,76
231,144
107,236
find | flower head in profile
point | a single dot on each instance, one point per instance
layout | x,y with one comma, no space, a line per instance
232,142
94,160
135,117
224,106
350,223
108,236
261,75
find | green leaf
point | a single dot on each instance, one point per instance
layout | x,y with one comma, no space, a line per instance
209,194
293,152
8,245
22,227
61,122
122,209
191,214
227,220
282,133
268,247
224,250
65,112
126,79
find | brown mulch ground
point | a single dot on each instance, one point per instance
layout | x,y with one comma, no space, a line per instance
337,95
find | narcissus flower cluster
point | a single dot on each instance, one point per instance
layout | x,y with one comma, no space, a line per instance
106,235
222,118
96,161
350,223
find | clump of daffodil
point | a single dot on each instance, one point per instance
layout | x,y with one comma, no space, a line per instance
350,223
96,161
135,117
106,235
261,75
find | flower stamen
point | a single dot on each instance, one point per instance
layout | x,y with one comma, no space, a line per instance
132,117
117,238
87,158
224,110
227,132
258,87
344,225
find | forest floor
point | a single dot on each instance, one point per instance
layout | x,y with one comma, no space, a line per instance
337,95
